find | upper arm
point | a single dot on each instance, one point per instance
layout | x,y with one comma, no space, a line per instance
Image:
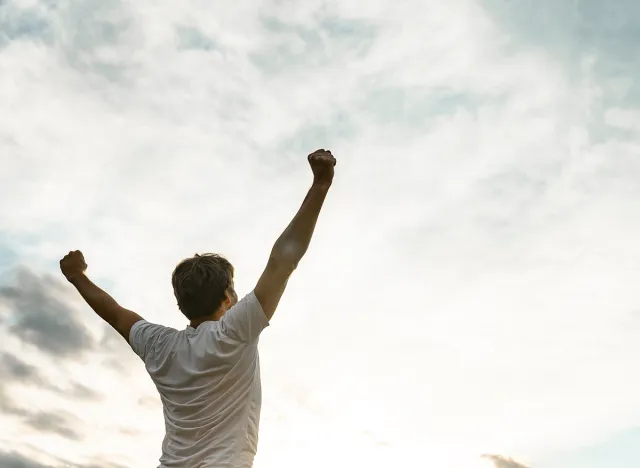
144,336
245,320
122,320
272,284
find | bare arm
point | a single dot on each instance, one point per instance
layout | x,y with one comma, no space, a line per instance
121,319
106,306
293,243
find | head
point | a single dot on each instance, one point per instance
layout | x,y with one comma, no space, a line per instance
203,286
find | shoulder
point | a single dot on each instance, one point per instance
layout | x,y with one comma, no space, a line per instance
143,327
245,320
144,335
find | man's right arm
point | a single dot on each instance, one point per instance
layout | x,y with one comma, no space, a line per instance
293,243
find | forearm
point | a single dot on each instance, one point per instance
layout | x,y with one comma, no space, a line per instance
294,241
101,302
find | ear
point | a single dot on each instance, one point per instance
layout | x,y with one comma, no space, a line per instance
228,298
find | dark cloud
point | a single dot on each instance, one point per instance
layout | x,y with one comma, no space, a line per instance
15,460
24,24
40,316
84,393
60,422
101,464
96,464
54,423
36,313
14,370
502,462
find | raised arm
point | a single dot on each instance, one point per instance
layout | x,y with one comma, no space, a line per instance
294,241
73,267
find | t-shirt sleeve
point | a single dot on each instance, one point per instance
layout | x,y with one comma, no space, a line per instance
244,321
143,335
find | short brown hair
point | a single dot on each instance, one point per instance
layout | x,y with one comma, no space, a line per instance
200,284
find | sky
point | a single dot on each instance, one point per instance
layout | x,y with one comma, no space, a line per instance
469,299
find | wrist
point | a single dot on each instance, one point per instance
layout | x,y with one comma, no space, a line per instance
321,185
76,278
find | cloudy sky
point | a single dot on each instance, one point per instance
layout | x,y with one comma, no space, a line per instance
470,299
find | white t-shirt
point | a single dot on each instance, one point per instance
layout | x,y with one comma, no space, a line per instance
209,383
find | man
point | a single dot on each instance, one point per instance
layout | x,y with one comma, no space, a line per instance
208,375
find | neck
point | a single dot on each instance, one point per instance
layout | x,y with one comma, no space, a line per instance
196,322
210,318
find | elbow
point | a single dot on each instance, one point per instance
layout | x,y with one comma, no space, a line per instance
282,265
284,261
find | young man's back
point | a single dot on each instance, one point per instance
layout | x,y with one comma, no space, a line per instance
209,383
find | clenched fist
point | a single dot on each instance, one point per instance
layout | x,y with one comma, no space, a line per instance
322,164
73,265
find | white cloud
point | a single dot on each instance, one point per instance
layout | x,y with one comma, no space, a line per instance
471,285
626,119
